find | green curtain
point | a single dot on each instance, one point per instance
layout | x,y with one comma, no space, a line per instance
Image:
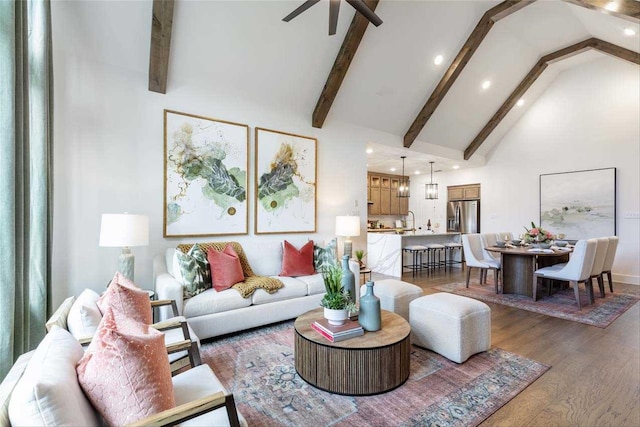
26,135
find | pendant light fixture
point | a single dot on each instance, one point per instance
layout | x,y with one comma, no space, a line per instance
403,186
431,190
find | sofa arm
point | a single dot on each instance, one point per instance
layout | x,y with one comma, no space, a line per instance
166,287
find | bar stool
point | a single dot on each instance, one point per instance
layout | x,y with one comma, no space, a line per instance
434,249
450,254
416,252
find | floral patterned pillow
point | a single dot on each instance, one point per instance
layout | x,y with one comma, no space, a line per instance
325,257
192,270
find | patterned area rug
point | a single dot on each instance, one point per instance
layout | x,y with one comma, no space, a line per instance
258,366
562,304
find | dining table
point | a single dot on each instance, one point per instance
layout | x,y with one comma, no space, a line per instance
519,263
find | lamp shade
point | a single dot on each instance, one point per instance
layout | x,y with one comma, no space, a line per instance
124,230
348,226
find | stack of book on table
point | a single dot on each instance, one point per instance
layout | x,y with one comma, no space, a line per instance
333,333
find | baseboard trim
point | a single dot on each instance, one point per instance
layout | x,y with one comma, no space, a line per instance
624,278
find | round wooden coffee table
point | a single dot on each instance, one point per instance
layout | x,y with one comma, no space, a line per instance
373,363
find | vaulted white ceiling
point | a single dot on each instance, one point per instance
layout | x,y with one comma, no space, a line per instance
245,49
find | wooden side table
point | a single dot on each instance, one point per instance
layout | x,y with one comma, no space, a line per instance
364,272
373,363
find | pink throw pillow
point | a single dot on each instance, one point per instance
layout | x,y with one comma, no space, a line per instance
297,262
124,296
226,269
126,373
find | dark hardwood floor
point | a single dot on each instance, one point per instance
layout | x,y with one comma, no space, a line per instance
594,378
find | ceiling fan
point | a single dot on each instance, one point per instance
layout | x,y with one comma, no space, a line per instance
334,8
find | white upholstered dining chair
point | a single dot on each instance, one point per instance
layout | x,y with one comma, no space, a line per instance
608,263
490,239
473,254
577,270
598,262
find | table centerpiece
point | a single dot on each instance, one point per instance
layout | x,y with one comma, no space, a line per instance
537,237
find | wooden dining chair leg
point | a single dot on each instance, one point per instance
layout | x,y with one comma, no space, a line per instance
468,274
589,287
610,282
576,291
601,285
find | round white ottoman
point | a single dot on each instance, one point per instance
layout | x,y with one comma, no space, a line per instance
451,325
395,295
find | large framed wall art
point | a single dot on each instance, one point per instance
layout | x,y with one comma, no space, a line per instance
580,204
205,169
286,172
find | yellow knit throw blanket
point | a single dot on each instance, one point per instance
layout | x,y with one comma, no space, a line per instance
251,281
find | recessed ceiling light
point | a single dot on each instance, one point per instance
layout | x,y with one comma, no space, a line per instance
629,32
486,84
369,150
438,59
455,167
392,169
612,6
520,102
417,172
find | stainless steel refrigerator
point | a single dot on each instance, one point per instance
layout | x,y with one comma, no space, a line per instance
463,216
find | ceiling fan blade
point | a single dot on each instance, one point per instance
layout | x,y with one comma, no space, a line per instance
334,8
304,6
361,7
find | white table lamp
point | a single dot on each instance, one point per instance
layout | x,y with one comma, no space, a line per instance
125,231
347,226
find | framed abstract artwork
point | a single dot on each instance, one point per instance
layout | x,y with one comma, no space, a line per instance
205,176
580,204
286,172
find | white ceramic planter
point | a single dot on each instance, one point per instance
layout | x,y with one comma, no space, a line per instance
336,317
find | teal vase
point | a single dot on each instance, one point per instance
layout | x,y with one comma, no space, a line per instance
370,317
348,279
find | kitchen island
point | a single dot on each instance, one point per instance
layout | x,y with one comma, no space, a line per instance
384,250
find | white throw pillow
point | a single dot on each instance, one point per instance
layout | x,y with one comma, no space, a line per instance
84,316
48,393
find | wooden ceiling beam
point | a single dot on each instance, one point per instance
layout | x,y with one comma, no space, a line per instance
625,9
478,34
161,23
341,65
536,71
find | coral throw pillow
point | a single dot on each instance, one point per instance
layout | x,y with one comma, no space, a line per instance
126,373
226,269
124,296
297,262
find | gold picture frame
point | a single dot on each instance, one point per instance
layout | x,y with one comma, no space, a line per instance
286,172
206,185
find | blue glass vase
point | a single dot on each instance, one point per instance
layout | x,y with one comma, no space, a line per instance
370,317
348,279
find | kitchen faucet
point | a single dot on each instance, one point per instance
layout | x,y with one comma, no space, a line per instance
413,221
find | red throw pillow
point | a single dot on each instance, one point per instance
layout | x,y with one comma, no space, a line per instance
226,269
124,296
126,374
297,262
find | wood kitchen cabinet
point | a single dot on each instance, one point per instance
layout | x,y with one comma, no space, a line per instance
382,190
463,192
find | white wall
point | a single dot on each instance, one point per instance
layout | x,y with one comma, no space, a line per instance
109,159
588,118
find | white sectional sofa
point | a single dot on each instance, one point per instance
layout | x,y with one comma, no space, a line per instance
214,313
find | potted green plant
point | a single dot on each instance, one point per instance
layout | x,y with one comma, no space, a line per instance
359,256
336,302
